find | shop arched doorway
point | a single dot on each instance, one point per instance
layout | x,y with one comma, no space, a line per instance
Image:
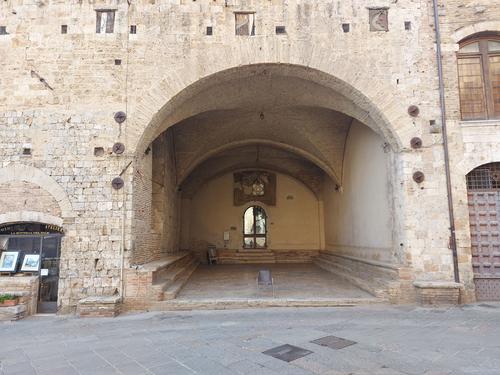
483,190
33,250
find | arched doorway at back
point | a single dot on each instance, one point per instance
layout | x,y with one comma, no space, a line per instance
483,191
33,249
255,228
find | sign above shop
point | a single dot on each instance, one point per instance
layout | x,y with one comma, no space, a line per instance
29,229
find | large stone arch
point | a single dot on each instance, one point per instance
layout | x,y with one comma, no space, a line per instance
22,172
322,165
30,216
369,103
475,28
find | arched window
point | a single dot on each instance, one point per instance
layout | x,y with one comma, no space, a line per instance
479,77
254,228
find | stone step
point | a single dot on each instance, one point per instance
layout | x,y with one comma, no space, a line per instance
172,268
350,266
240,255
224,304
173,290
176,271
247,261
227,256
374,286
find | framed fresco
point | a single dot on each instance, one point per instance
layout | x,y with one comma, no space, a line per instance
31,263
8,261
254,186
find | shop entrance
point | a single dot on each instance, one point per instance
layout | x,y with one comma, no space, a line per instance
35,249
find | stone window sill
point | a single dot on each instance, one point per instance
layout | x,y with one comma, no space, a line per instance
478,123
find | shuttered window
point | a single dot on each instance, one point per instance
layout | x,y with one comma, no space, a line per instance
479,78
105,21
245,24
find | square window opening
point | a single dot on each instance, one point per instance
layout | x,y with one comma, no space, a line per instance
245,24
105,21
280,30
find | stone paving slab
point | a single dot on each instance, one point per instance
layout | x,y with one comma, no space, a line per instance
390,340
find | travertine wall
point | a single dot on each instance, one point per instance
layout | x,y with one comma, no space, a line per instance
59,93
25,196
359,217
473,142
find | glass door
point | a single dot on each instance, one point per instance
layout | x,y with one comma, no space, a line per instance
49,274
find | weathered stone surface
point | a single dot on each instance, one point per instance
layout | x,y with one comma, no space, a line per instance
60,93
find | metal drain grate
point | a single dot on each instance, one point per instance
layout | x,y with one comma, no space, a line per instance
287,353
333,342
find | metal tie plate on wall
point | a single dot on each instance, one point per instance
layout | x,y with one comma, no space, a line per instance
120,117
117,183
118,148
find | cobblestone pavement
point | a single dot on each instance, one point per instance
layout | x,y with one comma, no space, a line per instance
390,341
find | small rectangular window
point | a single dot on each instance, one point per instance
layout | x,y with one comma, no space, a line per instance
245,24
64,29
210,30
3,30
280,30
133,29
105,21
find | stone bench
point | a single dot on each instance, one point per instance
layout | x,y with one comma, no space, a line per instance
12,313
101,307
435,293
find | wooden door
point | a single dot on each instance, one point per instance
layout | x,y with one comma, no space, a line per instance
484,211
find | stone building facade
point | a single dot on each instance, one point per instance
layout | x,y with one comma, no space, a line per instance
327,95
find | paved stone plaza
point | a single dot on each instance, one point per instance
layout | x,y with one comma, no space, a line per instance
390,341
297,281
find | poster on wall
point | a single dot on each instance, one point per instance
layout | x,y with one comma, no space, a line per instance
31,263
8,261
251,186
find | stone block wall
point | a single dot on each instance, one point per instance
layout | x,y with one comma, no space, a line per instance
473,142
61,91
25,196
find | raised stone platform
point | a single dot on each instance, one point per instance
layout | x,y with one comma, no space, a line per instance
157,281
432,293
265,256
23,286
388,281
227,304
12,313
102,307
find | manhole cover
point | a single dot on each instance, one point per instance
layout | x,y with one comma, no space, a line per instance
333,342
287,353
